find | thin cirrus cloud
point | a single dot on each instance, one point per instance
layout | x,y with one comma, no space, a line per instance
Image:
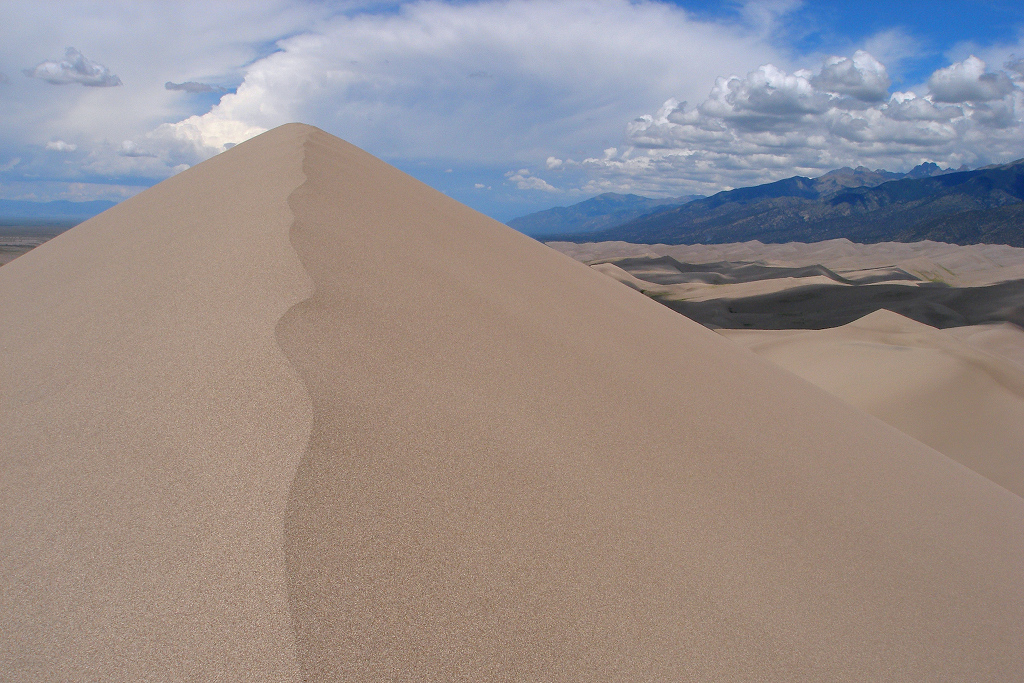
74,68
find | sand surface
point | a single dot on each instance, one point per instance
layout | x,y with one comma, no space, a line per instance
16,240
313,420
964,398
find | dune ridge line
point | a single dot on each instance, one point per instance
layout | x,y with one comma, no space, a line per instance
505,480
294,415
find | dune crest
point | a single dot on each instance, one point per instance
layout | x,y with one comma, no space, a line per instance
489,462
149,429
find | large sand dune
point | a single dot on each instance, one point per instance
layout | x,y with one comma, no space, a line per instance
293,415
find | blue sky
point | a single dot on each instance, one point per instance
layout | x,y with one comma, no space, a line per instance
510,105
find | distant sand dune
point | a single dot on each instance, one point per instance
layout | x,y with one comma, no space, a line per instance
954,396
962,266
819,285
293,415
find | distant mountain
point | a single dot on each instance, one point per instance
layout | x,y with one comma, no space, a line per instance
61,211
961,207
603,211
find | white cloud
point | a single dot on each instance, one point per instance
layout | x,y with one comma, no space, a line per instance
61,146
509,79
766,99
524,181
863,77
74,68
772,124
968,81
512,84
147,43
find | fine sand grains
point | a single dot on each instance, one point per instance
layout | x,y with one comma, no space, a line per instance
312,420
958,397
521,470
149,430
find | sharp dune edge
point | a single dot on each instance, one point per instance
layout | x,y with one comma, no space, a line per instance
293,415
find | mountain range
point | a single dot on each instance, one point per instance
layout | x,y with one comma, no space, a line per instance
61,211
603,211
960,207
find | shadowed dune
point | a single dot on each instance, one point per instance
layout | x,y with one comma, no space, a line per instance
953,264
785,286
312,420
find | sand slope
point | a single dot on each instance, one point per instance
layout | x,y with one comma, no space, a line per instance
150,427
952,395
501,465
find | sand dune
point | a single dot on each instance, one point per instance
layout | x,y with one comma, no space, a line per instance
952,395
1000,339
956,265
308,419
820,285
16,240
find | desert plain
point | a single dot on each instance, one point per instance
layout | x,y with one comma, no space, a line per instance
292,415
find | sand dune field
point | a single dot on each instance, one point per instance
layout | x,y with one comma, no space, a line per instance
819,285
292,415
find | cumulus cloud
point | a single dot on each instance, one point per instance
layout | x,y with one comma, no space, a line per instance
194,87
60,146
773,124
1016,66
863,77
968,81
74,68
767,98
524,181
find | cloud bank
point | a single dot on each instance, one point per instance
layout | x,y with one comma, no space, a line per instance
500,81
772,124
529,97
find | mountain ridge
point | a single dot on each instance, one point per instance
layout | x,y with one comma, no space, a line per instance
961,207
600,212
59,211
